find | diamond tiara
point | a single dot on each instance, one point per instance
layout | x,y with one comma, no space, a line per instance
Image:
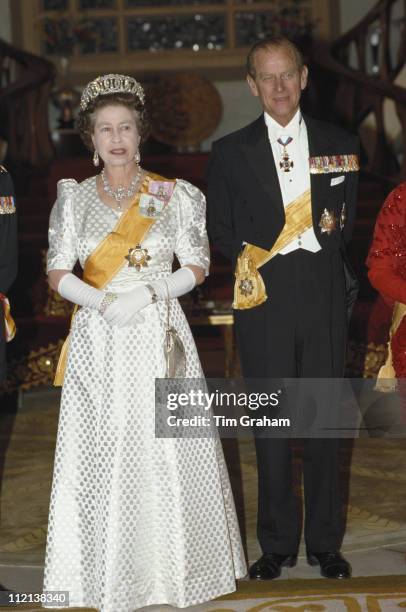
109,84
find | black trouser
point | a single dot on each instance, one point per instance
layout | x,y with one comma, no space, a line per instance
300,331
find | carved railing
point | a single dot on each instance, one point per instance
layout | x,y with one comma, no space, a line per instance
357,81
25,84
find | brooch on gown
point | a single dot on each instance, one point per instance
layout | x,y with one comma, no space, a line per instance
138,257
152,203
161,189
150,206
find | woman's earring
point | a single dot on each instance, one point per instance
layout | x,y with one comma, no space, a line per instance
137,158
96,160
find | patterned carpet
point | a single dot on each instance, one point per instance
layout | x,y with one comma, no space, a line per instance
361,595
376,491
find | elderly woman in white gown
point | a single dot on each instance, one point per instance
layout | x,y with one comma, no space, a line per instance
134,520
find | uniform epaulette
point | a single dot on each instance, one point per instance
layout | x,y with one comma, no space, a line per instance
3,169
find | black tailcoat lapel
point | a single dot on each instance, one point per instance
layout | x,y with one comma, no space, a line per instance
258,152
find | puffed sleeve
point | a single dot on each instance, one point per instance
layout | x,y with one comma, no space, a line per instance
192,244
62,252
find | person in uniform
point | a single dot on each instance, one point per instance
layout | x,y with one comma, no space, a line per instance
8,261
281,206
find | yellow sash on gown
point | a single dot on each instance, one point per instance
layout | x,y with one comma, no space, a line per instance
249,288
109,256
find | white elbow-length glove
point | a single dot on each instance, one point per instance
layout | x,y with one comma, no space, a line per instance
77,291
178,283
124,310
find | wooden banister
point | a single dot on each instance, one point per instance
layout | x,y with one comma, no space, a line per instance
364,89
380,15
25,85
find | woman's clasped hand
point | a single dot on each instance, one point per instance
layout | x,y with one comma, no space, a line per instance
124,310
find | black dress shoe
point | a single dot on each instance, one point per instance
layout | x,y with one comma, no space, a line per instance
269,566
332,564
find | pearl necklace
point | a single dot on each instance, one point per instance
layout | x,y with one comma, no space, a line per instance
121,193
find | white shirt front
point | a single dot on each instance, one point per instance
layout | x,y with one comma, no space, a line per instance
297,180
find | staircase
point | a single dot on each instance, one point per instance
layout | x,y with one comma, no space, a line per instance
349,85
353,82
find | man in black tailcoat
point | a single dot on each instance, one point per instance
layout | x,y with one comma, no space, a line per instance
296,324
8,256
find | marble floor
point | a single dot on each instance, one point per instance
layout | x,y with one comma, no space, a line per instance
375,540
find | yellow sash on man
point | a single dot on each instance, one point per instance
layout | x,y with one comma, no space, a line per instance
249,288
386,381
109,256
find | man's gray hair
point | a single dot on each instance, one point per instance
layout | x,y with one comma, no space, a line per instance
271,43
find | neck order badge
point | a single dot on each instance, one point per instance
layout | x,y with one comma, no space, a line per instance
286,163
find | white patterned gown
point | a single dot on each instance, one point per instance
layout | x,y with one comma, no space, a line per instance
134,520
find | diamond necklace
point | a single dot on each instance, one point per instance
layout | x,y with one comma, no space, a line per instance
121,193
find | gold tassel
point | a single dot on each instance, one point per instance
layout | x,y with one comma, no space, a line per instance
386,381
10,325
249,287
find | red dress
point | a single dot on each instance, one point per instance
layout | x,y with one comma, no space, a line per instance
387,265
